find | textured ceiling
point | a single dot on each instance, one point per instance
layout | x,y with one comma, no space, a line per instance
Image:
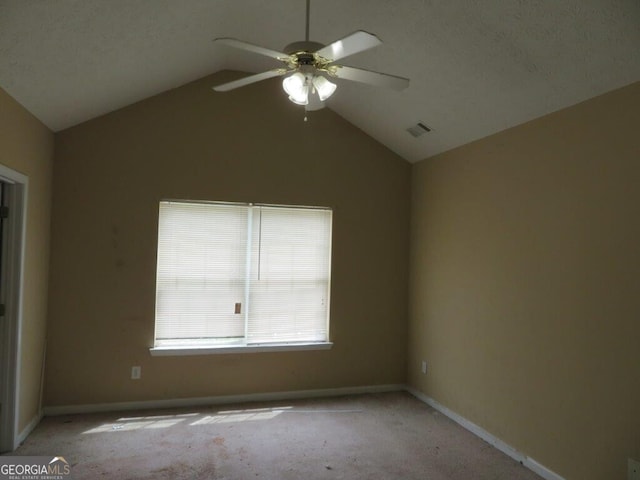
476,67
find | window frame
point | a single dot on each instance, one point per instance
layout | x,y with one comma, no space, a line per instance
239,347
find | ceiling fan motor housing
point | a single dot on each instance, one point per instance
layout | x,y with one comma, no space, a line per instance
303,46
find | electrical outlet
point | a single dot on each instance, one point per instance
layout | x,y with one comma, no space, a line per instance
136,373
424,367
634,470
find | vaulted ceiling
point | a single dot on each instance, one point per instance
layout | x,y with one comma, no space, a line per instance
476,66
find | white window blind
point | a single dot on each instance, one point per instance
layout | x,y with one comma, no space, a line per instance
289,290
242,274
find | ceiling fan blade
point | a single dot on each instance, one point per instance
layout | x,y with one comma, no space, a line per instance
225,87
233,42
367,76
356,42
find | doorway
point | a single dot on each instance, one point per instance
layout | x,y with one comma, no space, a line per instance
13,194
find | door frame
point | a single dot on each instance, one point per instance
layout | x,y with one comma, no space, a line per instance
17,190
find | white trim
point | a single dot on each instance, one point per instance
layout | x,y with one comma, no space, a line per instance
28,429
9,175
17,227
505,448
275,347
541,470
220,399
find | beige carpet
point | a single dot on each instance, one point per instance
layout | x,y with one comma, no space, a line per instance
381,436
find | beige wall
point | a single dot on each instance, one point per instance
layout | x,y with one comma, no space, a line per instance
250,145
26,146
525,285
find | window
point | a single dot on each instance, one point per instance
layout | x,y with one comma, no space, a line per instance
231,275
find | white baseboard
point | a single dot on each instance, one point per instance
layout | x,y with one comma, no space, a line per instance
528,462
22,436
218,400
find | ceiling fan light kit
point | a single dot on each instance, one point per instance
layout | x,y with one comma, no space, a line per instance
299,86
308,64
324,87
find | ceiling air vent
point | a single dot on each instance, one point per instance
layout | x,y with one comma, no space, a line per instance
418,129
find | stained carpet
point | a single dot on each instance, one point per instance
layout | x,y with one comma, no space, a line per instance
374,436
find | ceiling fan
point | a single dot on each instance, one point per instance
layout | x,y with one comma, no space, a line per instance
308,66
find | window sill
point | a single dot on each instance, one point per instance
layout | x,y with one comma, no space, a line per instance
258,348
